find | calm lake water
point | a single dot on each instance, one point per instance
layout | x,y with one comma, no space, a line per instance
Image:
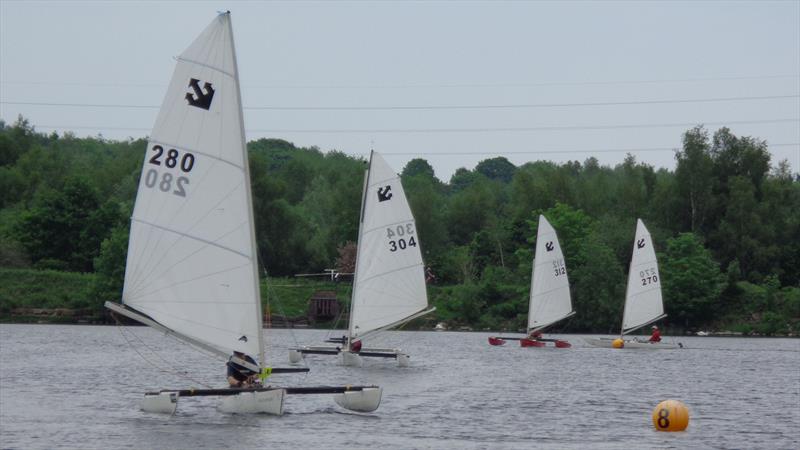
78,387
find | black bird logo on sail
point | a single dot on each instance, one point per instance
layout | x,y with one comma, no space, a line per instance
549,246
243,338
384,193
200,97
640,243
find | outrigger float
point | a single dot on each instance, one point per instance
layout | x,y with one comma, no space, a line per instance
528,341
268,400
191,269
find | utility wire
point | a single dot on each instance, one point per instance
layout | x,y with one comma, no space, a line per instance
429,107
518,129
455,130
553,151
426,85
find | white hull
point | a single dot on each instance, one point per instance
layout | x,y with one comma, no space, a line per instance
366,400
266,402
163,403
349,359
295,356
631,343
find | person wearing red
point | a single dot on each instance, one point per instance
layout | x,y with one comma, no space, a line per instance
656,336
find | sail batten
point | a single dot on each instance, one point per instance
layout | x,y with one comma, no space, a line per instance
200,239
207,66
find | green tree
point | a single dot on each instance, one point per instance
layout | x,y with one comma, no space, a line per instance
692,281
694,176
498,168
109,266
417,166
67,225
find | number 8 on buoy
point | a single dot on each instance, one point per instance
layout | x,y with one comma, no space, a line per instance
671,415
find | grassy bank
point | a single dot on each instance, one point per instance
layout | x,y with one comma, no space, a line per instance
26,288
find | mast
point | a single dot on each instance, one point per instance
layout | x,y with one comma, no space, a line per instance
358,250
249,194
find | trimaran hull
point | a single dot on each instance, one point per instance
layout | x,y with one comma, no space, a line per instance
604,342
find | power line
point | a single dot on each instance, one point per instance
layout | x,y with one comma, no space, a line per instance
517,129
536,152
425,85
456,130
432,107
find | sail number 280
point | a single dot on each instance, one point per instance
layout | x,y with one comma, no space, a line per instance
170,159
401,237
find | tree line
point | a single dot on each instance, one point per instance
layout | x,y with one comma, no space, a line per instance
725,223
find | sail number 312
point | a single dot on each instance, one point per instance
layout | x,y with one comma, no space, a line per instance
559,267
170,159
401,237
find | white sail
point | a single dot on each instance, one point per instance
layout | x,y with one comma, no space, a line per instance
643,302
192,263
389,284
549,297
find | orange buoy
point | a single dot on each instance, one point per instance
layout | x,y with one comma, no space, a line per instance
618,343
671,415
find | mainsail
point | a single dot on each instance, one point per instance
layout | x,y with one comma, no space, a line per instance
389,284
192,263
643,303
549,297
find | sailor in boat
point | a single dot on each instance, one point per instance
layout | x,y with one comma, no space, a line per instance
355,346
240,376
535,335
656,336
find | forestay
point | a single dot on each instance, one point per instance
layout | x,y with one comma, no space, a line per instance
191,256
389,284
643,303
549,298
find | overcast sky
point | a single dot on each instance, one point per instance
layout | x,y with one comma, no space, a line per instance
454,82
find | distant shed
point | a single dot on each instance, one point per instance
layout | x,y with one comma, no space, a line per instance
323,306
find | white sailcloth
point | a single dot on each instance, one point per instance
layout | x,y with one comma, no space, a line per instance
549,298
191,255
643,303
389,283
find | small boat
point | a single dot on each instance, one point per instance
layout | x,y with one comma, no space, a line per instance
550,300
191,269
643,302
389,283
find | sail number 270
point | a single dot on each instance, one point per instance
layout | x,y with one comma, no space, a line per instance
170,159
401,237
648,276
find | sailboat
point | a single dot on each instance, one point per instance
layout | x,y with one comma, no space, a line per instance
389,282
643,302
191,269
549,294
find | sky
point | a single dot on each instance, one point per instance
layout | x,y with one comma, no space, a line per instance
453,82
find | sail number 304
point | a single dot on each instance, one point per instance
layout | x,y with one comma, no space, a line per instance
170,159
401,237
